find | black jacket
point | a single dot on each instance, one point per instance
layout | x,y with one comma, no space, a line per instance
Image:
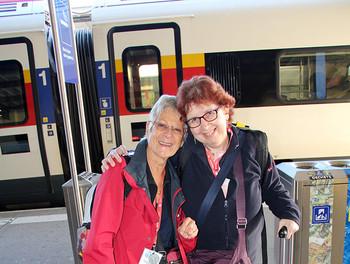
219,229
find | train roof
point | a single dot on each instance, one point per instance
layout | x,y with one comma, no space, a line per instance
21,7
139,10
22,16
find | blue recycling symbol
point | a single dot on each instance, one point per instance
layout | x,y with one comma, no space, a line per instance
321,214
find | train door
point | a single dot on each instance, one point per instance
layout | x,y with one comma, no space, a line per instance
31,167
22,152
145,62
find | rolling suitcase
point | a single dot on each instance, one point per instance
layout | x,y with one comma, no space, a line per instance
85,180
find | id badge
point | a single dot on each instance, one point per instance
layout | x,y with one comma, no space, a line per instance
150,257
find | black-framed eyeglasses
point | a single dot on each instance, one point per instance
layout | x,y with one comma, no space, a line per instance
163,127
208,116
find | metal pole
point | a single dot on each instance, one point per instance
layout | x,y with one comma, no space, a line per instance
80,103
65,111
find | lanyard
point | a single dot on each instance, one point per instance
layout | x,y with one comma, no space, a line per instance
214,164
158,205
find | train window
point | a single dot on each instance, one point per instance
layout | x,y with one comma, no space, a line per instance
142,78
314,76
13,107
14,144
138,131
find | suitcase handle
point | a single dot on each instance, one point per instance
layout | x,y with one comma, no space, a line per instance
283,232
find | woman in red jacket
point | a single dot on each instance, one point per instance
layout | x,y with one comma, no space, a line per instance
137,206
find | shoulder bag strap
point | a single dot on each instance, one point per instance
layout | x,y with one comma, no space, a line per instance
217,183
240,255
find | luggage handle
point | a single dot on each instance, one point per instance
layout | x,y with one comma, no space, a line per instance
282,234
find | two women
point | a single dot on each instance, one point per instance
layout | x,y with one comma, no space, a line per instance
208,112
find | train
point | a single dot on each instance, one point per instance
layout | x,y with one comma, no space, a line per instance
287,63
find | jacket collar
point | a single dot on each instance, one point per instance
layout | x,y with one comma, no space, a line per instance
137,165
137,168
198,147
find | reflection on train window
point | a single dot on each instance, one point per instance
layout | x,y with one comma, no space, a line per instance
13,107
315,76
142,78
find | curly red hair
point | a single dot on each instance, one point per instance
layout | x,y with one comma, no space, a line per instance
201,90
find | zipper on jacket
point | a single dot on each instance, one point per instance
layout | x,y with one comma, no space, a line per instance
226,222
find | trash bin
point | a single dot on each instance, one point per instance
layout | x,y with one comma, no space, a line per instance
320,189
85,180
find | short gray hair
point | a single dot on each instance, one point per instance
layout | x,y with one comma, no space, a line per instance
164,102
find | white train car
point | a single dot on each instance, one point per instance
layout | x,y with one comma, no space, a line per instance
286,62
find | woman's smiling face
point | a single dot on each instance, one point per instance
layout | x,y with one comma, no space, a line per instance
164,138
214,133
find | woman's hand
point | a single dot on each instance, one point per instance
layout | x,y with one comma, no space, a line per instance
188,229
114,153
292,227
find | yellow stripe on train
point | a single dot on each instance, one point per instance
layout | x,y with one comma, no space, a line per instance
26,75
169,62
193,60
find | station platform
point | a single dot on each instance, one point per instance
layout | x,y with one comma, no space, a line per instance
42,236
36,236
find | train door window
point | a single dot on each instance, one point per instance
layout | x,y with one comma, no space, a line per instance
14,144
314,76
142,78
13,106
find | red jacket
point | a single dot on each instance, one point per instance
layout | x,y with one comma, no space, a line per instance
121,229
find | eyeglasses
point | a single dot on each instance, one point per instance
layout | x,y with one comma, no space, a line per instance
162,127
208,116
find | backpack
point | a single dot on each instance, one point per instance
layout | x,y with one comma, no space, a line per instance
84,228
